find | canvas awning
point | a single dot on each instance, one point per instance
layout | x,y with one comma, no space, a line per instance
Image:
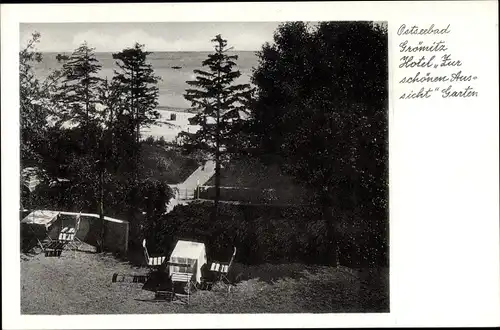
192,253
41,218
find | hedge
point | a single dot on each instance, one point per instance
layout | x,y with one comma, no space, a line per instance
270,234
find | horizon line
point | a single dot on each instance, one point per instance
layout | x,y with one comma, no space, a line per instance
154,51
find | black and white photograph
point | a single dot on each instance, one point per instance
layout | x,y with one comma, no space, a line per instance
204,167
250,165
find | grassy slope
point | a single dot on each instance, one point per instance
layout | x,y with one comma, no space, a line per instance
166,165
56,286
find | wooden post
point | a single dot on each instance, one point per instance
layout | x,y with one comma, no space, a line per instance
126,237
101,207
198,189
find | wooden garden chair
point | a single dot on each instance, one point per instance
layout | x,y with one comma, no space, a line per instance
67,235
183,278
154,263
219,272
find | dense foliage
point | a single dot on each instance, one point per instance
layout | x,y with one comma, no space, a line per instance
321,113
36,106
322,105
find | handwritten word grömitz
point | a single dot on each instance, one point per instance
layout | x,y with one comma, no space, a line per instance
437,46
415,30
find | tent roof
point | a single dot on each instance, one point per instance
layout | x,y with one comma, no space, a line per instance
41,217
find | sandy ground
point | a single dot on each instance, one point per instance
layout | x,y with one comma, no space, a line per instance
167,128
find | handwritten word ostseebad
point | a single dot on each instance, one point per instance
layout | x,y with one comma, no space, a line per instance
416,30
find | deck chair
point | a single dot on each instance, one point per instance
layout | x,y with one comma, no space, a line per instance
183,278
154,263
219,272
66,238
54,249
67,235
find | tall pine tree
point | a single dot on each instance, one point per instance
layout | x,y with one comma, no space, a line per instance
79,91
221,107
139,84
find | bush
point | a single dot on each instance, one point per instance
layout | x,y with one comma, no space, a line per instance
169,165
161,141
150,140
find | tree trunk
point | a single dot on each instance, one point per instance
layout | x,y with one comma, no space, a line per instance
217,152
134,110
217,168
137,149
101,207
111,136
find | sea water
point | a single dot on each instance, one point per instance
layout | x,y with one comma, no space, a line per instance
173,81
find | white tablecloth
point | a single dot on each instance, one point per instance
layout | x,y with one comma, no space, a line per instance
192,253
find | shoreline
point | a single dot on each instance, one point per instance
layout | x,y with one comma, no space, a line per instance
174,109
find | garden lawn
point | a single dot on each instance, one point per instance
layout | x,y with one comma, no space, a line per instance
80,283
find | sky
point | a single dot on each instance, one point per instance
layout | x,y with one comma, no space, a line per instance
111,37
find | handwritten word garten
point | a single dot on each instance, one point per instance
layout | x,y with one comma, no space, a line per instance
448,92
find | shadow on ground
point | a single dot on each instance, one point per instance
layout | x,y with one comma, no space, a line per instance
269,273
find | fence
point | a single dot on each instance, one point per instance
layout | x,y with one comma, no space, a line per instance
116,230
256,195
185,193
